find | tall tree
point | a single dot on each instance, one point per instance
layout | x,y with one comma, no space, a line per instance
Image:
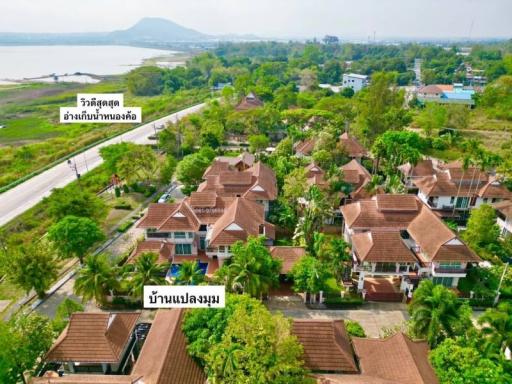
309,275
251,269
75,201
482,229
145,271
31,266
138,165
496,328
96,278
74,236
189,274
397,148
437,314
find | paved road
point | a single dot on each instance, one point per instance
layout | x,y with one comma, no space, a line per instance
24,196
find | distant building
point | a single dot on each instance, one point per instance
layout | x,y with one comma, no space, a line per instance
446,94
250,101
354,81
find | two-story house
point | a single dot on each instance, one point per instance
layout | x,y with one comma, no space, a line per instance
400,236
504,217
352,147
256,183
358,177
451,187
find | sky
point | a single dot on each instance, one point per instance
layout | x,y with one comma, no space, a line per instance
271,18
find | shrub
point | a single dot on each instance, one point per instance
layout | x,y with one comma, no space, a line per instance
354,328
124,227
117,191
126,189
123,205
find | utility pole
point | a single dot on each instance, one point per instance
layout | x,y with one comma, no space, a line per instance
72,165
85,160
499,285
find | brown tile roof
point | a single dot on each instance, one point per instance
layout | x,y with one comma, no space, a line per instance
163,358
289,255
264,178
157,213
421,169
397,203
396,358
206,199
94,338
245,218
365,214
437,241
494,189
87,379
163,249
313,169
326,345
249,102
246,158
505,207
182,218
305,147
374,246
215,168
434,89
351,146
209,215
235,178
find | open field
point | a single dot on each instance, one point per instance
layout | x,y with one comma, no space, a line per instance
32,136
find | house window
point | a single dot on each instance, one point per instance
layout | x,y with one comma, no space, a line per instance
385,267
179,235
452,199
190,235
485,200
221,249
446,281
404,267
202,242
450,265
183,249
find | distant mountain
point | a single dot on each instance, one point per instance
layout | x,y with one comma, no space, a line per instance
154,29
149,30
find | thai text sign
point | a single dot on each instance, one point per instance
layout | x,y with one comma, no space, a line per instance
184,296
100,108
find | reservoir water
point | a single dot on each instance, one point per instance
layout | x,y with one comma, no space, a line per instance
22,62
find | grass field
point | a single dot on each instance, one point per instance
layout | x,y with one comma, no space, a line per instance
32,136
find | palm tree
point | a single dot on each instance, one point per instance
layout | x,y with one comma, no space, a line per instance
96,278
373,186
340,257
146,271
189,274
436,313
496,328
316,211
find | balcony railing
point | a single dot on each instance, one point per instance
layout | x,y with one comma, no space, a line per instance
450,270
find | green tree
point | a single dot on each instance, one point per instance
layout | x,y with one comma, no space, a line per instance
295,185
309,275
204,328
436,313
74,236
251,269
482,229
190,170
146,81
23,342
496,328
258,143
138,164
74,201
96,278
112,154
168,168
257,347
432,117
397,148
31,266
456,363
64,311
145,271
189,274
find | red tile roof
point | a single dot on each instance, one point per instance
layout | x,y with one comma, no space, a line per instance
250,101
326,345
305,147
94,338
163,249
505,207
396,358
351,146
289,255
374,246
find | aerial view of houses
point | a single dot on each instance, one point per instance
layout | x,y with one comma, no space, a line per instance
343,178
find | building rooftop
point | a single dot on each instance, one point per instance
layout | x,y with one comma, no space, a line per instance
289,255
326,345
375,246
351,146
397,359
94,338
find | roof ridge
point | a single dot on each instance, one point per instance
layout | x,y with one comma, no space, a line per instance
405,340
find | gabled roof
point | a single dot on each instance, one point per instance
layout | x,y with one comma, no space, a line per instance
242,219
264,186
437,241
182,218
313,169
305,147
494,189
436,89
246,158
394,212
289,255
164,358
378,246
157,213
350,379
94,338
163,249
326,345
206,199
505,207
215,168
396,358
422,168
249,102
351,146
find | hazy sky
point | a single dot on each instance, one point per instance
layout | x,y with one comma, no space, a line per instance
275,18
